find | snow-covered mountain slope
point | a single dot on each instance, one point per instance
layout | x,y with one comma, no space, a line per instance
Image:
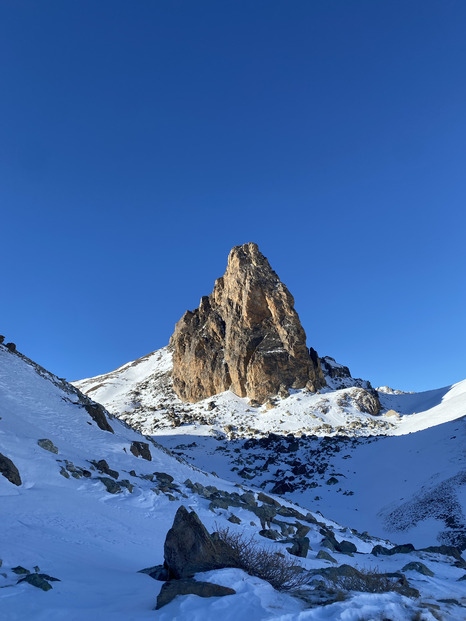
92,524
141,393
412,483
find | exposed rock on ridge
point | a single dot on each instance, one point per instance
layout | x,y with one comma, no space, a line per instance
245,336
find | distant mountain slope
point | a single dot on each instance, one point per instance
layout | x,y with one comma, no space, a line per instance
89,513
141,393
386,485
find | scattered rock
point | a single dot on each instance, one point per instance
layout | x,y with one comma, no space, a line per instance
102,466
245,337
19,570
112,486
406,548
446,550
47,445
234,519
163,478
419,567
40,581
173,588
282,487
346,547
325,556
189,548
300,547
9,470
141,449
99,415
11,347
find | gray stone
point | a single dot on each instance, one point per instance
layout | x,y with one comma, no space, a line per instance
346,547
112,486
234,519
141,449
47,445
9,470
102,466
322,555
419,567
40,581
173,588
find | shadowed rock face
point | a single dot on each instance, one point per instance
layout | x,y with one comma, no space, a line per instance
245,336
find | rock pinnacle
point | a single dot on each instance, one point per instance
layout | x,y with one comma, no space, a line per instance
245,336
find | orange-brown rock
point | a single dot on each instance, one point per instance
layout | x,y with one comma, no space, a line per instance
245,336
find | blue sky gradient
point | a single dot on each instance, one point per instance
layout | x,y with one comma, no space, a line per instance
140,141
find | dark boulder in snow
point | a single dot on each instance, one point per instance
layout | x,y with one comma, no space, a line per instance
189,548
9,470
102,466
98,415
419,567
47,445
300,547
141,449
190,587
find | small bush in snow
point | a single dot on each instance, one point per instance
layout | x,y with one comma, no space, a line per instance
283,573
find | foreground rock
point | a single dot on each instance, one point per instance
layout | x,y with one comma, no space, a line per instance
189,548
190,587
246,337
9,470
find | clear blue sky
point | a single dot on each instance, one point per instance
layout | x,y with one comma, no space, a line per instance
140,141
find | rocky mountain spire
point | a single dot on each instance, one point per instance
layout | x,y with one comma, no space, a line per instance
245,336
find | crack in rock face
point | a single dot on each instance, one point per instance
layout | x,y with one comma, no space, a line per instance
245,337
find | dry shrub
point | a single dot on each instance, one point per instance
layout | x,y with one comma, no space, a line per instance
283,573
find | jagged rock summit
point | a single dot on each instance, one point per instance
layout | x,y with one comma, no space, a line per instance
245,336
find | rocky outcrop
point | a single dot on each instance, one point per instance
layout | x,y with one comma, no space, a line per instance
189,548
245,336
9,470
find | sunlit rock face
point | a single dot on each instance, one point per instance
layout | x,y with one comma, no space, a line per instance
245,336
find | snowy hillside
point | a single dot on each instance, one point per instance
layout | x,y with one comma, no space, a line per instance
411,484
141,393
90,514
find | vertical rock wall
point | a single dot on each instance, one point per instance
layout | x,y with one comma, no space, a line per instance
246,336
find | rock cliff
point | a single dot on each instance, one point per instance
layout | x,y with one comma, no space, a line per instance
245,336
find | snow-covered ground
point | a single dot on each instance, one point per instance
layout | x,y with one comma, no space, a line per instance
398,474
141,393
62,520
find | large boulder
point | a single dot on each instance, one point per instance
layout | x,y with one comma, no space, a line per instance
189,548
245,336
9,470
